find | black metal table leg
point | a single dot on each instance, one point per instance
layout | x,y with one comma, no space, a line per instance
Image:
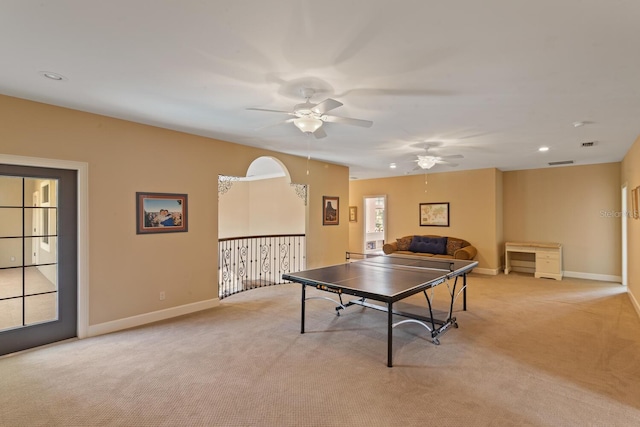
464,292
390,336
302,313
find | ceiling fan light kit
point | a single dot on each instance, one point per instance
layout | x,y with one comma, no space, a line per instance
427,162
307,124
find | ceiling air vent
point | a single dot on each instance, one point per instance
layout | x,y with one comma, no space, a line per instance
588,144
564,162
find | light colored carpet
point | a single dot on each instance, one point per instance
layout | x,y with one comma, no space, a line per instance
528,352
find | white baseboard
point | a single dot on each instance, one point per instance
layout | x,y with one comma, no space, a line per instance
521,269
634,302
593,276
154,316
577,275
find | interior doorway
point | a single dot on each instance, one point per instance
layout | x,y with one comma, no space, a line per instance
375,223
38,262
624,217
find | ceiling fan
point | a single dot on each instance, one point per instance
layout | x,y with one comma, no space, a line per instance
309,117
428,160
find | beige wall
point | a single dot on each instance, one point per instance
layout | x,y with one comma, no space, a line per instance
630,175
261,207
474,206
500,216
127,271
234,218
568,205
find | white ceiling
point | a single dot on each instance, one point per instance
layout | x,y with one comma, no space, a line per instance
492,80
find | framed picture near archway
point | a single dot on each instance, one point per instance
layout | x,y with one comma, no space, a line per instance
161,213
330,210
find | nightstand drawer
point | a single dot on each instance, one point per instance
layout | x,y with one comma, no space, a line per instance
547,255
548,265
511,248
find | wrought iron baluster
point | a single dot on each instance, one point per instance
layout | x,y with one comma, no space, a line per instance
254,261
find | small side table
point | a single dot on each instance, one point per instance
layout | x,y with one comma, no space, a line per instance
548,257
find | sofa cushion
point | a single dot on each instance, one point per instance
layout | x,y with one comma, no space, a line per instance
429,245
454,244
404,243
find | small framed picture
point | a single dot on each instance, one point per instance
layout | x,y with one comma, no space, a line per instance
330,210
434,214
353,214
161,213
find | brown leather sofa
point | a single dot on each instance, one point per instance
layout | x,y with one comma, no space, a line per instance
455,248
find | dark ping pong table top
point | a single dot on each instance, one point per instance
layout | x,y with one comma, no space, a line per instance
390,278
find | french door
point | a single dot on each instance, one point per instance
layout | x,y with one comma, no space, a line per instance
38,256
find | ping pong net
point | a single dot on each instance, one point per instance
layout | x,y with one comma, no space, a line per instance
403,261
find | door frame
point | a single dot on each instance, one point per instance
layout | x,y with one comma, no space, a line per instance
625,211
82,268
364,222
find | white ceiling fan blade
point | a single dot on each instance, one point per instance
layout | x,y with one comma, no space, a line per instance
326,105
271,111
348,121
320,133
444,162
452,156
281,122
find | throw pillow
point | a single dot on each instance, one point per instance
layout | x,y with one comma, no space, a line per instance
429,245
404,243
441,245
453,245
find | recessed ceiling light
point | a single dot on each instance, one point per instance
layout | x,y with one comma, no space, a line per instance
392,165
542,149
52,76
578,124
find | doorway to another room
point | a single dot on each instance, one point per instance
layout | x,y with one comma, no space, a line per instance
624,217
38,257
375,223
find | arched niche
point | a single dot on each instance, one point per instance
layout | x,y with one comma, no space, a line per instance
264,202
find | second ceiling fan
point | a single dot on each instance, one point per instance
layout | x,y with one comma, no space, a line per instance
430,160
309,117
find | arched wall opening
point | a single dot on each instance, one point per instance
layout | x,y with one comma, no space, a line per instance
261,227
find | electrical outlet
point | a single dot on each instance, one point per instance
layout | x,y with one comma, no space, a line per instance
162,296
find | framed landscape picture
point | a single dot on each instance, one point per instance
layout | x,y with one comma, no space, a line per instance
161,213
434,214
330,210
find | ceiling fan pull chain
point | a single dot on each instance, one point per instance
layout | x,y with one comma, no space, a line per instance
308,151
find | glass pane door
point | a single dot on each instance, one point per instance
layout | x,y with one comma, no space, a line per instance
28,251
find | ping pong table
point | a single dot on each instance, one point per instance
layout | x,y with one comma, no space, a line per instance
389,279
